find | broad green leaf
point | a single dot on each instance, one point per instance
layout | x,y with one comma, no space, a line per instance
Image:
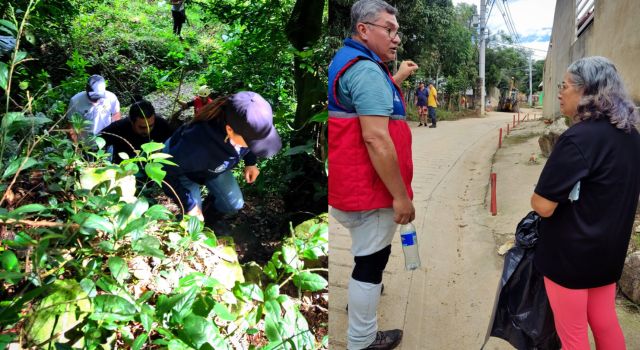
192,279
273,322
308,148
14,122
89,287
164,161
290,257
21,240
228,273
100,142
112,308
23,85
272,291
222,312
197,331
9,261
93,222
20,55
203,305
151,147
140,341
64,306
6,339
154,172
147,317
158,212
156,156
180,304
309,281
131,211
15,164
107,284
321,117
148,246
248,291
30,38
11,277
134,229
29,208
4,75
9,25
119,269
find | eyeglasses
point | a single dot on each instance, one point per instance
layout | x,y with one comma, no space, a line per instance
563,86
392,33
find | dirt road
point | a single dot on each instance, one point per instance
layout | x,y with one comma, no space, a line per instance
447,303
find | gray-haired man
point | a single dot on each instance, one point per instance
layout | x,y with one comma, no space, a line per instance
369,160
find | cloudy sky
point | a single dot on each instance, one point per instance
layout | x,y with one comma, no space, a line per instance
532,19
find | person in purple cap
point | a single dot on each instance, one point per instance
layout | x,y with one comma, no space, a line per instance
95,104
224,131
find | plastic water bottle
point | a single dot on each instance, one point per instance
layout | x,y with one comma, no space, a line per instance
410,246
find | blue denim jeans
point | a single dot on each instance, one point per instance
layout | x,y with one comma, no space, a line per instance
224,188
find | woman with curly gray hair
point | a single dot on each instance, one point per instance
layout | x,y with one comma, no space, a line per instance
587,196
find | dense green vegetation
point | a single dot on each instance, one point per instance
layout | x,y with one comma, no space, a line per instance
86,261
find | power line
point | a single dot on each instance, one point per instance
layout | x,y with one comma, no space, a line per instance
520,46
508,10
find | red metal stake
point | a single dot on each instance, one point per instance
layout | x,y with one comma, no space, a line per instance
500,139
494,205
518,116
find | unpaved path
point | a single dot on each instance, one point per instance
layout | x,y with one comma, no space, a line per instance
447,303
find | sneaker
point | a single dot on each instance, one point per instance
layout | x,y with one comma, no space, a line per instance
420,124
432,126
386,340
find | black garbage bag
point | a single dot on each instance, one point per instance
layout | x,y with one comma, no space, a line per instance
522,314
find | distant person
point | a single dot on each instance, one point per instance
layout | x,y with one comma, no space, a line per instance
421,102
179,16
370,162
95,104
201,100
142,126
207,149
587,196
432,103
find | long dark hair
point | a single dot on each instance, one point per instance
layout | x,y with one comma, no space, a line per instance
214,110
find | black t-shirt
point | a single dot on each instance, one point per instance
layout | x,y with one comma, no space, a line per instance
584,243
123,128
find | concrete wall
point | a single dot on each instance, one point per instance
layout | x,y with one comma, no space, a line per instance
614,33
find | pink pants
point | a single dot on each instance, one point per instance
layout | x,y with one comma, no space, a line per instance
574,309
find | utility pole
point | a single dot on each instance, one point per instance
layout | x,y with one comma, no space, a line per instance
530,87
483,9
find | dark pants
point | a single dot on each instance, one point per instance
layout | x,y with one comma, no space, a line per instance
179,17
432,114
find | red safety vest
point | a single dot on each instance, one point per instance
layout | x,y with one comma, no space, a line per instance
354,184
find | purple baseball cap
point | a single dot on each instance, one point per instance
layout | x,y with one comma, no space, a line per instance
96,87
251,117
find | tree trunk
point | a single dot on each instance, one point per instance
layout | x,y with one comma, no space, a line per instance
303,30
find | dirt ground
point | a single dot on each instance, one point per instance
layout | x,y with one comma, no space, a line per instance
447,303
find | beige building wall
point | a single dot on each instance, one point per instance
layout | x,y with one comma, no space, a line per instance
614,33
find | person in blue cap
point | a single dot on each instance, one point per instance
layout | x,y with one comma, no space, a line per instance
225,131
